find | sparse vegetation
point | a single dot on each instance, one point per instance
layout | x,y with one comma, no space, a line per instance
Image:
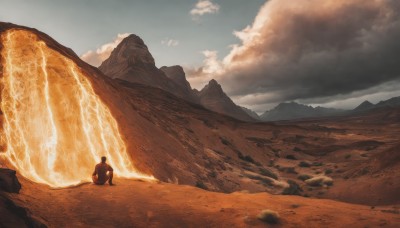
224,141
247,158
201,185
208,123
293,189
319,181
304,164
328,171
364,171
371,148
212,174
268,173
271,163
347,156
269,216
260,142
291,157
397,212
288,170
317,164
276,152
297,149
304,177
291,170
264,181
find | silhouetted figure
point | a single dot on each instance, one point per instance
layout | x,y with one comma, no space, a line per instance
100,175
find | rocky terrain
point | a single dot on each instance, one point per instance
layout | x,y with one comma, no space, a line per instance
354,159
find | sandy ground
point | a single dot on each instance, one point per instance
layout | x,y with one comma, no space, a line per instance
134,203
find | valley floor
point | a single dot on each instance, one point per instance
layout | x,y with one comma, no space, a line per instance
134,203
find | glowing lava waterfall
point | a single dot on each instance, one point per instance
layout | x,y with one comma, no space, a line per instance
55,127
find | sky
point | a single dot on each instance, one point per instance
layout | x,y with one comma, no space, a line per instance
332,53
173,35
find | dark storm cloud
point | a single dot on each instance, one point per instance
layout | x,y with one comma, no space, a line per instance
309,49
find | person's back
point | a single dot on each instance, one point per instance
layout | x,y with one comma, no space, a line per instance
100,173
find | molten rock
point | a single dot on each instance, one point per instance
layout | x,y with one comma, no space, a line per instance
9,181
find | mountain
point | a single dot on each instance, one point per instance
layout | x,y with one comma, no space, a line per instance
293,110
131,61
177,74
367,106
392,102
364,106
213,97
251,113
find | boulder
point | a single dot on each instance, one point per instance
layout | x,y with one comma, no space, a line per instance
9,181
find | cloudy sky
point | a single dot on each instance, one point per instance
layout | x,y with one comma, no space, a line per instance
334,53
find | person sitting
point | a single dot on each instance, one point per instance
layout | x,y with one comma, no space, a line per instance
100,175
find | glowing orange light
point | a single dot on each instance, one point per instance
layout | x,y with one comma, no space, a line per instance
55,127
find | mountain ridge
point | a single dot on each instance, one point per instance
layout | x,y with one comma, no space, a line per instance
214,98
131,61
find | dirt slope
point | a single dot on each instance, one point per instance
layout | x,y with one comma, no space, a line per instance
134,203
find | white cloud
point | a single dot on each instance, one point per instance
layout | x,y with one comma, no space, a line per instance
198,77
170,42
204,7
211,64
95,58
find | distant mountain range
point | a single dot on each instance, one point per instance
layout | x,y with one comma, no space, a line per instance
293,110
366,105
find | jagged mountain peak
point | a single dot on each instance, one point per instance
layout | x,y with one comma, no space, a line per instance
131,51
213,87
214,98
364,106
175,73
133,39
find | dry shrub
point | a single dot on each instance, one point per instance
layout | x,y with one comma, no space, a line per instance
269,216
319,181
